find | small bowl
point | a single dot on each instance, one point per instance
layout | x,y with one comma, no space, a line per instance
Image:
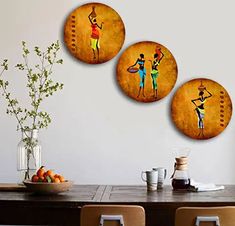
48,188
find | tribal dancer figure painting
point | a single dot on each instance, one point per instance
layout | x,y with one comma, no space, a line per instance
155,72
199,102
95,34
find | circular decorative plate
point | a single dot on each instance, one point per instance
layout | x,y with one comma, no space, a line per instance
94,33
155,71
201,108
48,188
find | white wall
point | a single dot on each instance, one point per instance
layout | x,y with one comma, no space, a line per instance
98,135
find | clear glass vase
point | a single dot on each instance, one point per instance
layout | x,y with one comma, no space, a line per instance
28,155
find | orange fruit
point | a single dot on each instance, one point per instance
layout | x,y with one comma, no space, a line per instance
35,178
57,180
44,180
50,173
52,178
61,178
41,179
47,176
41,171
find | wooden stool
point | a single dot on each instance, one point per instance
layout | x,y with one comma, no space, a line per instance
205,216
112,215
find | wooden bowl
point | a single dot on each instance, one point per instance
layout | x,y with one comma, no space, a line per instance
48,188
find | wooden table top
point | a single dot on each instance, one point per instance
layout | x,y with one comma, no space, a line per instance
123,194
160,206
139,194
78,195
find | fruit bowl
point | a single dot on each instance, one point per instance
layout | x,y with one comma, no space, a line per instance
48,188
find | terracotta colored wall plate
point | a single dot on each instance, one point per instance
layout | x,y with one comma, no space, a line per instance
201,108
94,33
146,71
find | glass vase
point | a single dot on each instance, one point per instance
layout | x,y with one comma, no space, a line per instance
28,155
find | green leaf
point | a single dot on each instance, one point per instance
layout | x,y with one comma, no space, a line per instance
60,61
48,179
39,84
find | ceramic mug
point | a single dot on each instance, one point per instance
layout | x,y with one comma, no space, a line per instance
151,178
161,176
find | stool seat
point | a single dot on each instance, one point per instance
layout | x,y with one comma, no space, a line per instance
205,216
112,215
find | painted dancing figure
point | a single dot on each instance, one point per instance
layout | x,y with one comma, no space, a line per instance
142,73
200,110
95,35
155,72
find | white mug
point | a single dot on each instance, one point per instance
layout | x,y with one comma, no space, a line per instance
161,176
151,178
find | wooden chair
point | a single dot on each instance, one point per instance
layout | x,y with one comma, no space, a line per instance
205,216
112,215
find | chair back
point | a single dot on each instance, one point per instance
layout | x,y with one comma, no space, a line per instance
205,216
112,215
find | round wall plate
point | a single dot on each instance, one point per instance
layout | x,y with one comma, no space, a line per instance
94,33
146,71
201,108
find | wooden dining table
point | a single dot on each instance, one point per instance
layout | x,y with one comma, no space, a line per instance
21,207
